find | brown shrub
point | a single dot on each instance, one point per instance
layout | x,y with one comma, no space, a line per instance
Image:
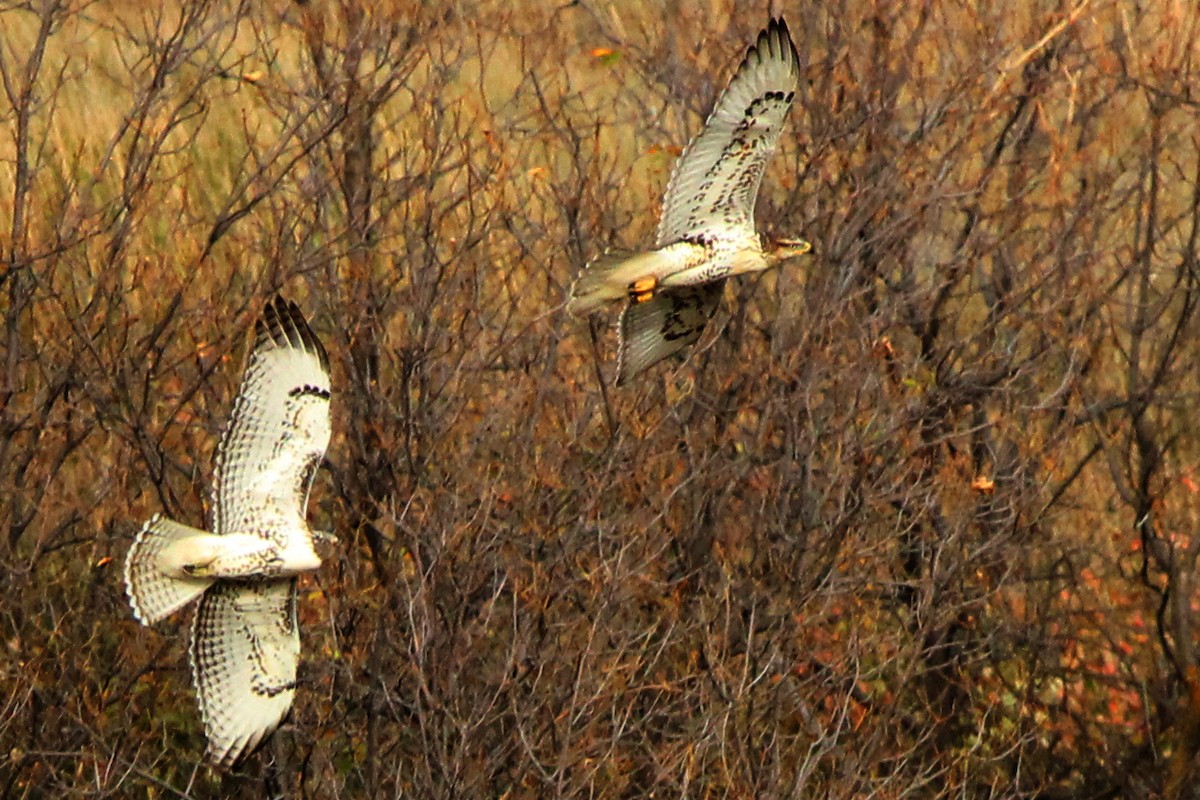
916,520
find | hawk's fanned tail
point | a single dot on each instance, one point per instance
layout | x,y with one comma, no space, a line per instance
612,275
607,277
153,594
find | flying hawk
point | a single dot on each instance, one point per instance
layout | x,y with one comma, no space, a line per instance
706,233
245,641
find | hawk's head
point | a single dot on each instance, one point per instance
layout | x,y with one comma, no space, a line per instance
781,249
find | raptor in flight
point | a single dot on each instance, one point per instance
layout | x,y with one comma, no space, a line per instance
245,642
706,233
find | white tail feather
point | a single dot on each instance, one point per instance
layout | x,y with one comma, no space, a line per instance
607,277
153,594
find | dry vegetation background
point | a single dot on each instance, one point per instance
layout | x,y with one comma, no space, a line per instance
921,521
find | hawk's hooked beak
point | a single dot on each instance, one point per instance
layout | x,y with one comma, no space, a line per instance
782,249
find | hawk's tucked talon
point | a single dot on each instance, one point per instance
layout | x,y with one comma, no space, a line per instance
642,290
643,285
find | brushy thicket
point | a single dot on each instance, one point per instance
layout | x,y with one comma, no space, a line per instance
918,517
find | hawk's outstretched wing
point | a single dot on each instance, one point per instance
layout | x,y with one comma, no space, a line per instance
716,179
662,325
244,652
278,430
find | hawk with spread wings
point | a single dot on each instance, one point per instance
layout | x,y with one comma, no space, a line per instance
706,233
245,642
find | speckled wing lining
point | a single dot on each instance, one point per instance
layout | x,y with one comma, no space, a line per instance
244,654
278,431
716,179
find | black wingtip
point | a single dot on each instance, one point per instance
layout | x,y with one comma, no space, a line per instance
774,42
283,323
778,28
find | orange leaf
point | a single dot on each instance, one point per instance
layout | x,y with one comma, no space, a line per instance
983,485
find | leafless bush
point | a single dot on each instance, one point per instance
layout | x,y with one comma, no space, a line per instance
916,520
